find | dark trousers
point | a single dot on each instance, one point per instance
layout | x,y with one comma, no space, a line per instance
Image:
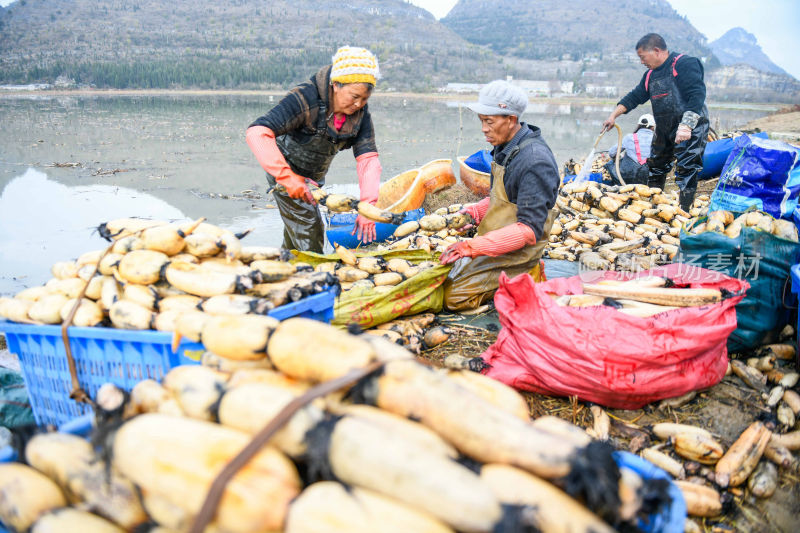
303,228
688,156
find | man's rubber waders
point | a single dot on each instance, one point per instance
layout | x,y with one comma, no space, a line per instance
668,108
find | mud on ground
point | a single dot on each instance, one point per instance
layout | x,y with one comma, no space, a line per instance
779,124
457,194
725,409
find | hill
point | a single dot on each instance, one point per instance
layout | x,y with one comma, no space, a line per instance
740,46
553,29
252,44
226,43
591,41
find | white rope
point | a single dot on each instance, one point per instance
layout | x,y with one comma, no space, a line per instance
460,132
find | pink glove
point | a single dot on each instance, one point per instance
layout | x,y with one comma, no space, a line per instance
364,230
455,252
477,211
684,133
296,187
368,169
261,141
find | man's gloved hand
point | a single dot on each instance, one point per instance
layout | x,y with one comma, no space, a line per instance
684,133
455,252
469,226
296,187
364,229
477,211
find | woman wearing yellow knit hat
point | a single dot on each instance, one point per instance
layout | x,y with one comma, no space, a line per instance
298,138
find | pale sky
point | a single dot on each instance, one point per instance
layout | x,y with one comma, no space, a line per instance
775,23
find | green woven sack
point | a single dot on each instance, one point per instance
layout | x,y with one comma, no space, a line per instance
760,258
15,408
365,307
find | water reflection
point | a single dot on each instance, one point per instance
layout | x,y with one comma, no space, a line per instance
42,221
184,156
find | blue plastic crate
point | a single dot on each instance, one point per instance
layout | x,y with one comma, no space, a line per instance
122,357
340,227
317,307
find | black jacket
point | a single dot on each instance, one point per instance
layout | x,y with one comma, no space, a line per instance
531,178
689,81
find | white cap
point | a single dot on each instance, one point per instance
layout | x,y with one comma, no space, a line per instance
500,98
647,120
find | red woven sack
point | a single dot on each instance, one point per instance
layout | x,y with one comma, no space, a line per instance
608,357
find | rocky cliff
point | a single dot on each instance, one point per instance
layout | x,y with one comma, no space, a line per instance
743,82
739,46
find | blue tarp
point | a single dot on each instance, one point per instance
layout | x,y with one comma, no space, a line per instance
716,153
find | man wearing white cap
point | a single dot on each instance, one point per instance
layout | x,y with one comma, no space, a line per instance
633,166
514,221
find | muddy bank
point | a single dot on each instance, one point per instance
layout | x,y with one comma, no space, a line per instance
784,125
725,410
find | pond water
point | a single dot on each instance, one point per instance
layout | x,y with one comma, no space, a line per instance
68,163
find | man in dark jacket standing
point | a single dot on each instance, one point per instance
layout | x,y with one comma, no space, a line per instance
677,93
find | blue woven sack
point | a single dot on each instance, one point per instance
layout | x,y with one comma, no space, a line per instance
759,172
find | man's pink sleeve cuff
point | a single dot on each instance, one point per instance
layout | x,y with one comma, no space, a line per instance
478,211
501,241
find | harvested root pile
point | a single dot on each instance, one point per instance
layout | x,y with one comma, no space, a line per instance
372,272
409,448
630,228
415,333
573,168
731,226
155,272
711,441
710,475
434,232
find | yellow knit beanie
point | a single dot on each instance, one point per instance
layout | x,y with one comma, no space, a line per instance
354,65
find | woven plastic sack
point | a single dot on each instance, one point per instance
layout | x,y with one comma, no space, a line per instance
761,259
760,173
15,408
367,308
608,357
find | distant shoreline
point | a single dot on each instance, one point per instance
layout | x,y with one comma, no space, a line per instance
769,107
